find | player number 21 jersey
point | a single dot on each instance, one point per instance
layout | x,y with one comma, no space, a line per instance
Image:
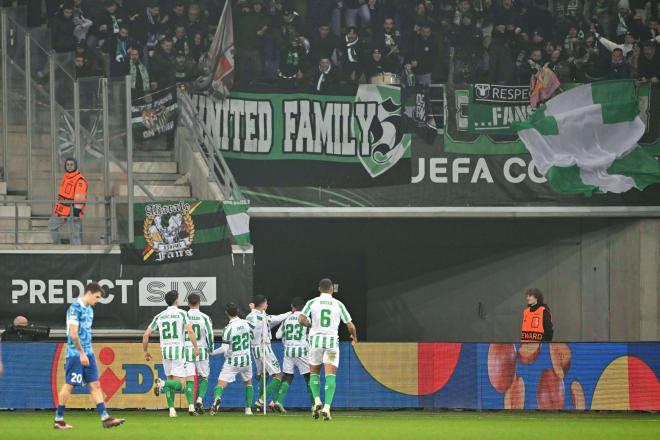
326,313
171,325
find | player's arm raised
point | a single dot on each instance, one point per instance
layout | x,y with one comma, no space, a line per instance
274,320
145,343
193,338
73,331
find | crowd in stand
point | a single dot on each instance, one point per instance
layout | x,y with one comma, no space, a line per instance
324,45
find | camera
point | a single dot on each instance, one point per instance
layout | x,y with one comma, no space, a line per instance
25,333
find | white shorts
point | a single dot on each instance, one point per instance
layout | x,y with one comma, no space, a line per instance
272,365
178,368
291,363
318,356
229,372
203,368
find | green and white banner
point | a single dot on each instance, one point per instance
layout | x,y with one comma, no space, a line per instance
493,108
304,139
479,117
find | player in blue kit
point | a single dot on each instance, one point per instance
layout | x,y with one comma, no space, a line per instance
80,362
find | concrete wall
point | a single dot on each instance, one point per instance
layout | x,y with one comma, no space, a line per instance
600,279
464,279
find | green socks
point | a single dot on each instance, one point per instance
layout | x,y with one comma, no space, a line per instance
190,392
315,385
171,386
260,388
201,389
249,395
330,385
273,388
217,392
284,388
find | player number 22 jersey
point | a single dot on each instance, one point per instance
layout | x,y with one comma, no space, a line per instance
237,336
171,325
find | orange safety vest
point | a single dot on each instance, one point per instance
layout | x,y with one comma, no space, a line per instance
532,325
72,189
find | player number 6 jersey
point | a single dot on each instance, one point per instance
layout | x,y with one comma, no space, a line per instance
325,312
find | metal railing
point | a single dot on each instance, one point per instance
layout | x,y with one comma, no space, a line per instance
48,115
99,224
219,171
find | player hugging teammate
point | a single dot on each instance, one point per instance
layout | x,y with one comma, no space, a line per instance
309,335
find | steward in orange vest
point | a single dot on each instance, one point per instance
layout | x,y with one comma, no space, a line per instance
537,320
73,191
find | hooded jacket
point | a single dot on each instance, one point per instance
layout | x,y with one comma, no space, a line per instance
73,191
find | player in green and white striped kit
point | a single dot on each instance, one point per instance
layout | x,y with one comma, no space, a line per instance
323,314
172,325
203,329
261,348
296,352
236,339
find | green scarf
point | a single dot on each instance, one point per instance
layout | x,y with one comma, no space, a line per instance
143,72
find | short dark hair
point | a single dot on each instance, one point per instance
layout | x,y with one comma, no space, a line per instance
94,288
194,299
326,285
536,293
231,309
617,49
259,300
648,44
171,297
298,303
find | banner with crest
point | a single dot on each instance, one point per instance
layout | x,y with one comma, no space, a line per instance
174,231
300,139
154,115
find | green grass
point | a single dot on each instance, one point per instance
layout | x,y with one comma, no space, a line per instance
404,425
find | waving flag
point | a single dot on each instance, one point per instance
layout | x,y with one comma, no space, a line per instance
585,140
218,63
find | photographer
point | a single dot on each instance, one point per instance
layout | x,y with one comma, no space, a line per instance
21,330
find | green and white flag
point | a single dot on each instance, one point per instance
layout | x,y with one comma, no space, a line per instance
238,220
585,140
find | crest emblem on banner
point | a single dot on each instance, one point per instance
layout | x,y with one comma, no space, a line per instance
482,90
388,141
169,231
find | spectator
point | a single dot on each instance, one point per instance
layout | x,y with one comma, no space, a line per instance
618,68
323,43
389,41
149,23
326,79
62,30
198,47
140,83
178,16
196,20
72,198
502,65
352,53
424,52
162,66
116,47
292,59
184,70
107,23
84,67
376,65
589,60
572,41
530,66
250,28
626,47
466,39
649,63
180,40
